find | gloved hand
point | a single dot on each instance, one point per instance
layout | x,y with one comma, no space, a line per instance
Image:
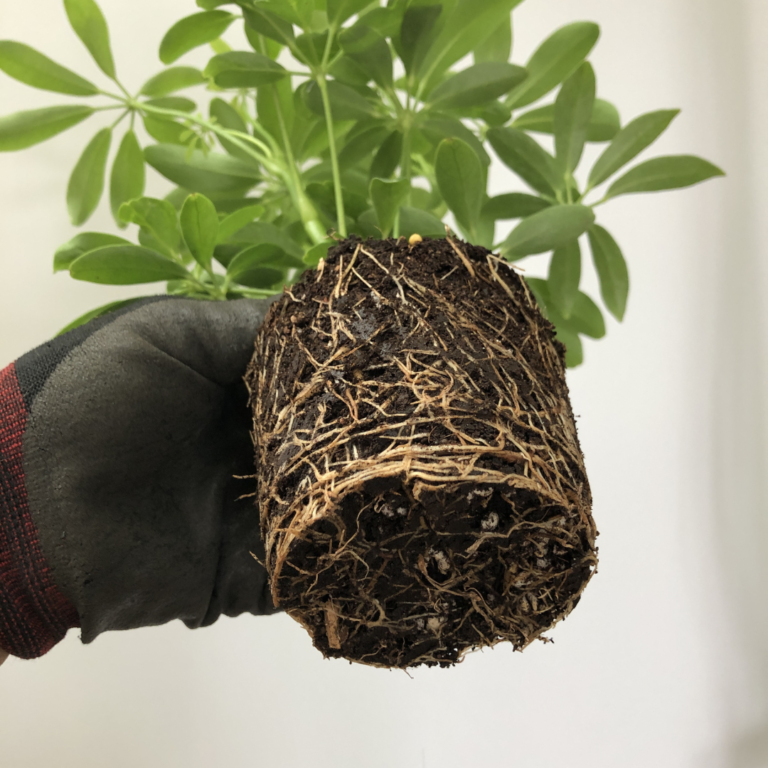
119,443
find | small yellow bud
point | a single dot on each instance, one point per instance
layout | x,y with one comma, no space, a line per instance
413,239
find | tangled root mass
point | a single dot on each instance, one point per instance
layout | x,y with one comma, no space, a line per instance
421,486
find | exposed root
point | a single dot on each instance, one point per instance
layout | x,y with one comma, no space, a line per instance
422,490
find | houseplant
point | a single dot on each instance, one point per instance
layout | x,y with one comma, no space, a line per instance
364,129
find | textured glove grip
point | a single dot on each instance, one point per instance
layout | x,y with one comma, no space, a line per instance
34,614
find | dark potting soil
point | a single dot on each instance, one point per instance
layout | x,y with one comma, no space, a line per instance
421,486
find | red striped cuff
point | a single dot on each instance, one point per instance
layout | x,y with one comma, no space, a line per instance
34,614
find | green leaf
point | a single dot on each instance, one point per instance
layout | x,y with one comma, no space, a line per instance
128,177
370,51
30,67
171,80
460,179
261,277
192,32
227,116
494,114
564,332
87,180
346,102
386,21
565,276
486,232
611,269
310,48
179,103
476,85
90,26
263,232
554,61
415,221
605,122
107,309
262,255
513,205
158,217
317,252
416,34
244,69
233,223
165,131
574,349
630,142
436,129
200,228
387,197
269,24
388,157
261,266
25,129
671,172
586,317
210,5
341,10
498,45
547,230
212,173
275,108
523,155
125,265
361,144
80,244
573,112
298,12
603,126
466,26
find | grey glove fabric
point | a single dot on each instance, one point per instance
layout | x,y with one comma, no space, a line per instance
136,429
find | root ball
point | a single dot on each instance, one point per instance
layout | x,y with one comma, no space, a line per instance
421,487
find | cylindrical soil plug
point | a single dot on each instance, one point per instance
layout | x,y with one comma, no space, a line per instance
421,487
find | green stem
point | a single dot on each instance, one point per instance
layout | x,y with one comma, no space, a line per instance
116,96
342,222
120,120
109,109
405,171
328,43
312,225
241,140
121,87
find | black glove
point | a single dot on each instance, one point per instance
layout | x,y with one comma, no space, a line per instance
119,443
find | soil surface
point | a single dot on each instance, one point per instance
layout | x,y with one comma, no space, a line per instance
421,487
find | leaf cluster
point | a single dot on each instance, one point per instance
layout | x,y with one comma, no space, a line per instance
344,116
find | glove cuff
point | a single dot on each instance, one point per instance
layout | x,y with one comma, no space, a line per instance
34,614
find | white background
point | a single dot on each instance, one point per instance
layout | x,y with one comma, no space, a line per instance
664,662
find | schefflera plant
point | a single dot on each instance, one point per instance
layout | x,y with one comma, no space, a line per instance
345,117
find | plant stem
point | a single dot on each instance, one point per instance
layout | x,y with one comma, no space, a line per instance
120,120
116,96
122,87
312,225
241,140
342,222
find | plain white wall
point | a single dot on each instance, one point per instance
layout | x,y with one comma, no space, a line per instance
660,664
